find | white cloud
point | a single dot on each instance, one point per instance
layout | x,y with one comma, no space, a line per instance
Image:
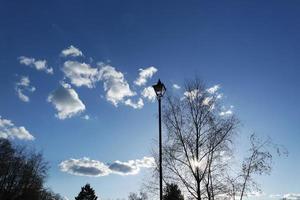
256,194
66,101
131,167
275,196
175,86
88,167
207,101
149,93
136,105
9,130
291,196
219,96
21,95
288,196
124,168
196,93
84,167
24,85
145,162
80,74
213,89
226,113
115,85
86,117
71,51
144,75
40,65
192,94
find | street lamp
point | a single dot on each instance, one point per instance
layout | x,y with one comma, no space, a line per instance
160,90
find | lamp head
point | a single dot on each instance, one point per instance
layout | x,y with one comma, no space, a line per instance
159,89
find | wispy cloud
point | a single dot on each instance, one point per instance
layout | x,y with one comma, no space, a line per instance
144,75
86,117
226,112
291,196
275,196
213,89
207,101
115,85
256,194
40,65
193,94
66,101
175,86
80,74
9,130
136,105
23,85
288,196
149,93
88,167
71,51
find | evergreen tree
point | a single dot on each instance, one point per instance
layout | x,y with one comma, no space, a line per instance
86,193
135,196
172,192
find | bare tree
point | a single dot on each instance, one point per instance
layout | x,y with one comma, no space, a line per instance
258,162
22,174
199,143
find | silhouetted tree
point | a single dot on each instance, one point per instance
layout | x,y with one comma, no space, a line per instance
22,174
199,142
134,196
258,162
172,192
47,194
86,193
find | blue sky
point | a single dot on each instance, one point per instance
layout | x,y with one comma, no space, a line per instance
249,48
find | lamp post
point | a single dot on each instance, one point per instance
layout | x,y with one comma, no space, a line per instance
160,90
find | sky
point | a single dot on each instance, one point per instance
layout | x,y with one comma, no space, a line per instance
75,81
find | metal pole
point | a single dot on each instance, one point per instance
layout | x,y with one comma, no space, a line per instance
160,151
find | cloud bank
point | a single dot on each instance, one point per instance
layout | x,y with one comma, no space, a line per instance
94,168
9,130
66,101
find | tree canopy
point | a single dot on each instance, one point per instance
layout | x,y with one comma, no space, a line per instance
135,196
22,174
172,192
86,193
199,146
